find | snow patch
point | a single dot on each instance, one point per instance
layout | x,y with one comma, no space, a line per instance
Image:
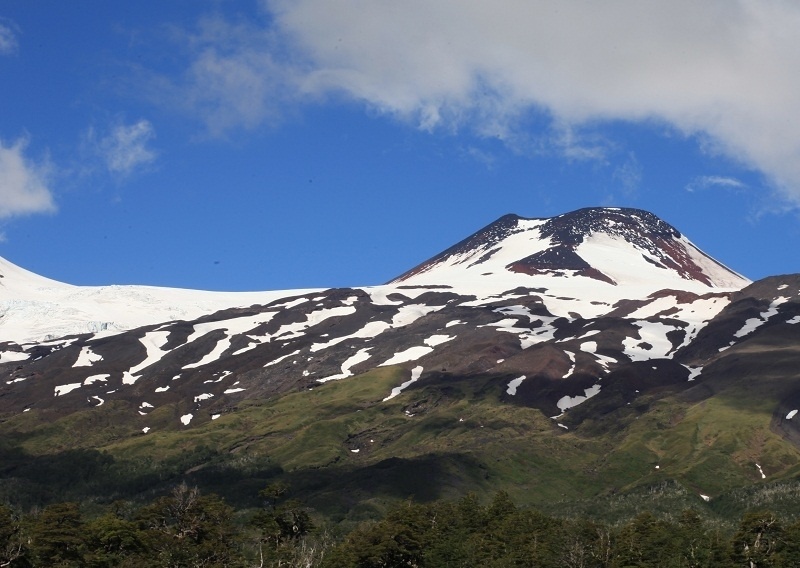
435,340
410,313
416,373
186,418
370,330
96,379
794,320
761,471
64,389
153,341
792,414
591,347
754,323
513,384
250,346
566,402
571,370
87,358
204,396
694,372
527,336
361,356
295,330
279,359
290,303
653,334
410,354
8,356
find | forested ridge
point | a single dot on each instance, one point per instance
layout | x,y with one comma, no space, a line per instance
189,529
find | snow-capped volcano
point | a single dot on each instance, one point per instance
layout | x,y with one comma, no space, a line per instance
615,246
586,321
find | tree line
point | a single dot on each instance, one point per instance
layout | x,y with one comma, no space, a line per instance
186,529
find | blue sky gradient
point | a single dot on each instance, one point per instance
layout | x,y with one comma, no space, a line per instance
276,145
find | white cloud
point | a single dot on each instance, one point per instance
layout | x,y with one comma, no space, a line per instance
708,182
725,71
8,39
125,149
23,183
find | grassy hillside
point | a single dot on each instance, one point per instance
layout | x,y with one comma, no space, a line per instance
348,453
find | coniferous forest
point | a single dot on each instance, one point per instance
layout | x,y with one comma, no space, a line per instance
186,528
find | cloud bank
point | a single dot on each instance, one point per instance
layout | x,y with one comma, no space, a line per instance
23,183
725,71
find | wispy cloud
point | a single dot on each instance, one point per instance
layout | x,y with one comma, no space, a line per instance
124,148
23,183
233,78
724,72
629,174
700,183
8,37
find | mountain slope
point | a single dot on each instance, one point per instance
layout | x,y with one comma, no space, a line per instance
560,357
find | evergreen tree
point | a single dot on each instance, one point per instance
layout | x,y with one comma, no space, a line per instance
647,542
281,524
56,537
111,540
187,529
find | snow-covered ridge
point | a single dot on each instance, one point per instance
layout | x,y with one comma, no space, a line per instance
34,308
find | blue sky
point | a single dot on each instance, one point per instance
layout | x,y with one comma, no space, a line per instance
273,145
